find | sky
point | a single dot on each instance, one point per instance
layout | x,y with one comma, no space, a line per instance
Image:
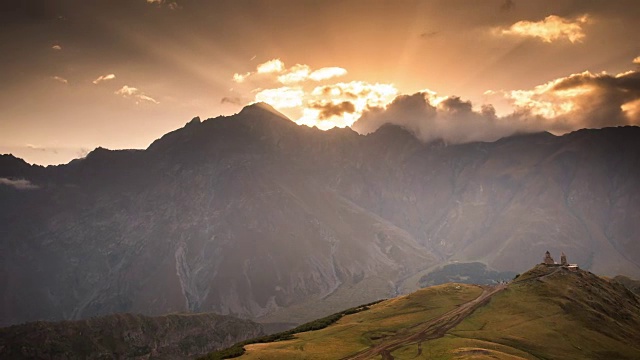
78,74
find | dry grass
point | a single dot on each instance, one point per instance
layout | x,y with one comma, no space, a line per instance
359,331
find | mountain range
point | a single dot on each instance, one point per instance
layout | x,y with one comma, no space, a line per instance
254,216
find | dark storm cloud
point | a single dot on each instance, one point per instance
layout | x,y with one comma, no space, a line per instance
328,110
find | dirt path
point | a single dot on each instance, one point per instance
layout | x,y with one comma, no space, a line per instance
432,329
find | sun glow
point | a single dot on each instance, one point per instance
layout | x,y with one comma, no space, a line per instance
281,98
341,104
307,97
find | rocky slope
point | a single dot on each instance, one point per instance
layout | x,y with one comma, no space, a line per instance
125,336
255,216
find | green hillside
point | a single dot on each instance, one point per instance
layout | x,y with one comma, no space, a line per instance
546,313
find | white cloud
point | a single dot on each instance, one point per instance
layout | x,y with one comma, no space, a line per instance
104,78
549,29
56,47
20,184
60,79
295,74
128,91
284,97
271,66
637,60
239,78
147,98
327,73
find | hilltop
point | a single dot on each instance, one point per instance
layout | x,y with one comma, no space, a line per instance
548,312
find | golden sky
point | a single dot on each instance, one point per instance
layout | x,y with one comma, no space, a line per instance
119,74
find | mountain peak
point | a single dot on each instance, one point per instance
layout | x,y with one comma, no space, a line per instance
261,107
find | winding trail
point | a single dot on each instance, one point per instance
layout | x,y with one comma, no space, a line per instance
432,329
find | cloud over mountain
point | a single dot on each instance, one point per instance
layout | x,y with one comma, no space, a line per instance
328,110
430,118
583,100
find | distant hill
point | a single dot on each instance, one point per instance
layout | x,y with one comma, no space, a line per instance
466,273
125,336
631,284
256,216
546,313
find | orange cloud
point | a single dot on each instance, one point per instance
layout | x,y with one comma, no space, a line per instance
327,73
60,79
296,74
550,29
329,109
583,100
351,99
577,101
128,91
239,78
271,66
281,98
104,78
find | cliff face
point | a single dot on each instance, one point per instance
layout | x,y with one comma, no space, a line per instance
256,216
126,336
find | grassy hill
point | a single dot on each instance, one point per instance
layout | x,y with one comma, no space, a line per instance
549,313
546,313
